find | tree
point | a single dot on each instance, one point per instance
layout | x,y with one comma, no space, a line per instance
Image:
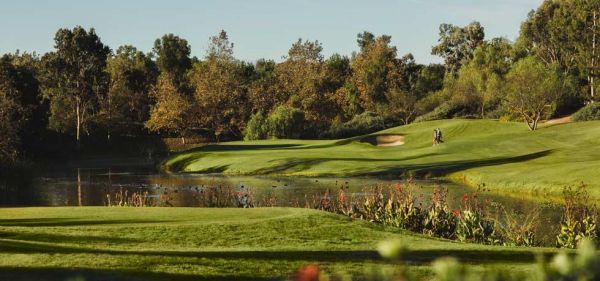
132,75
457,44
266,91
402,106
301,77
171,109
220,85
566,33
475,89
430,79
286,122
12,113
173,57
533,90
374,71
74,79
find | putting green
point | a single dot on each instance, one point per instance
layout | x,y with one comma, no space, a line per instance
505,156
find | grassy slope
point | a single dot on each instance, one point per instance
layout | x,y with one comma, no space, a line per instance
505,156
100,243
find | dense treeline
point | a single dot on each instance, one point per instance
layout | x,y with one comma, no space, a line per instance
87,91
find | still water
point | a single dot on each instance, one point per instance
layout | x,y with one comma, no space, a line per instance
96,186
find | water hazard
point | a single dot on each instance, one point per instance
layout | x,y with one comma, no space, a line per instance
104,186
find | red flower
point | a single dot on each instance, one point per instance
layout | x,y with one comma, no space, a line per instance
308,273
456,213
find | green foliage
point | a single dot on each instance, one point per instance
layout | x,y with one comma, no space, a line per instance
585,265
173,57
533,90
132,76
587,113
457,44
364,123
443,111
439,220
579,220
75,94
472,227
286,122
257,127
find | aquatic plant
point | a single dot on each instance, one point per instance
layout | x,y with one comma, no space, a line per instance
579,219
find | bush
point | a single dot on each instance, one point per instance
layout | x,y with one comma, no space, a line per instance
443,111
286,122
587,113
362,124
579,220
257,127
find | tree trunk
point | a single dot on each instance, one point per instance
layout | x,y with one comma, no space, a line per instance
182,140
593,62
78,110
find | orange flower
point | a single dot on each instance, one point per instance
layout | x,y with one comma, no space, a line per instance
308,273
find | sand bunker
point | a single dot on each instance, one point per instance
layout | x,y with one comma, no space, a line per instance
558,121
385,140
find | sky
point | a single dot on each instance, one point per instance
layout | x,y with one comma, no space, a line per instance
258,28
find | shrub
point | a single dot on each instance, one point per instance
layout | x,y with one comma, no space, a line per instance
257,127
587,113
439,220
443,111
579,220
286,122
364,123
518,229
473,225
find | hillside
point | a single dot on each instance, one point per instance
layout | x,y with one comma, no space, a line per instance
503,155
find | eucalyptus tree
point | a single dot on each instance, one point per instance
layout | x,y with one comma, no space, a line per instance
457,44
75,80
566,33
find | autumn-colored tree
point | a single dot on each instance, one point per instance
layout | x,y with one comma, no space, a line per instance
374,71
220,84
171,110
301,77
265,91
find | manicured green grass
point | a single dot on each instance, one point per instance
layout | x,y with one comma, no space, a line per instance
105,243
505,156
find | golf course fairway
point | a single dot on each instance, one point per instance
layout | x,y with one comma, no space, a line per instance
125,243
505,156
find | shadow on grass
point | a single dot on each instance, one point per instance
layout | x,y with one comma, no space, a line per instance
74,239
444,168
417,256
48,222
84,274
298,165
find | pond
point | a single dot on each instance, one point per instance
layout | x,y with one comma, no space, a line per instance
105,184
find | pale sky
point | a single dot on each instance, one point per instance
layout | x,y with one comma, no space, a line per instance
258,28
